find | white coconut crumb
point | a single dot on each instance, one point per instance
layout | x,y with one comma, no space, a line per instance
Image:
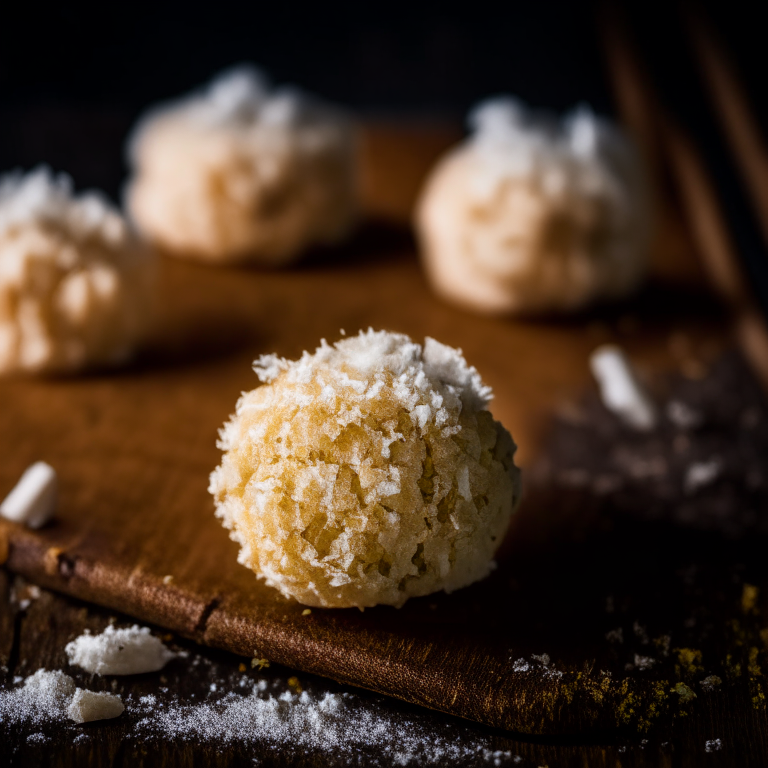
710,683
640,632
713,745
540,663
644,662
87,706
33,499
367,472
620,388
701,474
128,651
682,415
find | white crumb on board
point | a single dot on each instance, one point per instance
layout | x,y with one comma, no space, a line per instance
33,499
620,389
87,706
129,651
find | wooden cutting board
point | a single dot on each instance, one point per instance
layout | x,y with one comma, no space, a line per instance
135,529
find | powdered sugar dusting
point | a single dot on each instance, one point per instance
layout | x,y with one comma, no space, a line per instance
335,724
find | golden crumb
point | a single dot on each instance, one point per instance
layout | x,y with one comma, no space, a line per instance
306,612
749,596
242,667
260,663
51,560
294,684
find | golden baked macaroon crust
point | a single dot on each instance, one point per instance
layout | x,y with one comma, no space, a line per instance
366,473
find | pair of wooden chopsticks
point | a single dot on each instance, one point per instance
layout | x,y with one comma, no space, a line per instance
683,100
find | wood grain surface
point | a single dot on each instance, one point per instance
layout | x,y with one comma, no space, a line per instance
134,448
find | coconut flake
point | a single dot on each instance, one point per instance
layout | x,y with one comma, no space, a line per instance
33,499
87,706
620,388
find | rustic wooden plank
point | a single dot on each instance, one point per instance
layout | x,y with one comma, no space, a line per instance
134,449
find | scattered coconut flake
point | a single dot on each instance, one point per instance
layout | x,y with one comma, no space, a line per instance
644,662
87,706
33,499
701,474
713,745
682,415
128,651
620,388
710,683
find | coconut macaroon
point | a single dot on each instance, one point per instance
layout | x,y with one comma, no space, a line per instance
239,172
534,215
75,284
366,473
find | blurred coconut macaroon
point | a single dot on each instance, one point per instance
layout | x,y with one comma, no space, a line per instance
535,215
240,172
75,283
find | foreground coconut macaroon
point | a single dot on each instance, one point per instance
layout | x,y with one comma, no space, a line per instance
535,215
242,173
76,286
366,473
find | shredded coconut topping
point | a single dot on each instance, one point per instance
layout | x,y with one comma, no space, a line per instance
366,472
129,651
41,198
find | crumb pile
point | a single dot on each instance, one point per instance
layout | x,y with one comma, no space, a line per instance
130,651
240,172
74,284
52,696
368,472
533,215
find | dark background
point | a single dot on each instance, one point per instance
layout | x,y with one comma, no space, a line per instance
74,77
